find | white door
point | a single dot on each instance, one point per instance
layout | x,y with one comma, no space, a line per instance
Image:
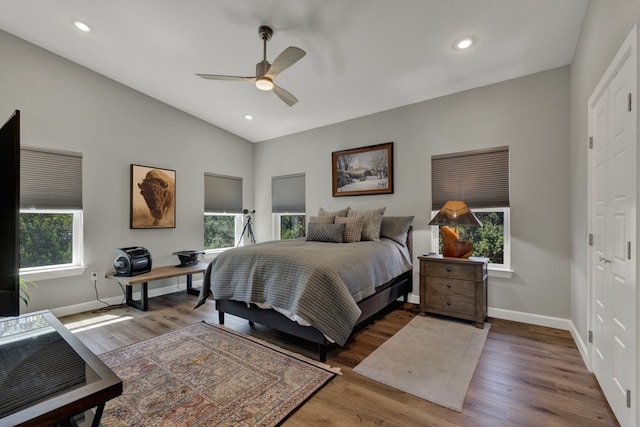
613,205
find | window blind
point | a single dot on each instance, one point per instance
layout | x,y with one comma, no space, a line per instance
222,194
479,177
287,194
50,179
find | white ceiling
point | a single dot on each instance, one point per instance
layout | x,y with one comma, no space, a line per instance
363,56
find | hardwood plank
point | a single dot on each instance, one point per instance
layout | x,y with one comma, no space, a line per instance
527,375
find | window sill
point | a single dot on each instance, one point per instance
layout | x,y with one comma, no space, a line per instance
54,273
212,253
500,273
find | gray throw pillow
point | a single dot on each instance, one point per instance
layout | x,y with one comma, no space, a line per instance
322,219
396,228
341,212
325,232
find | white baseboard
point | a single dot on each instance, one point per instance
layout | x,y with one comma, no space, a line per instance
533,319
94,305
582,346
415,299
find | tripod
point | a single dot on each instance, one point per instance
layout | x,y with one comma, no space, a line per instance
247,229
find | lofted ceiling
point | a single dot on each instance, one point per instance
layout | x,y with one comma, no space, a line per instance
363,56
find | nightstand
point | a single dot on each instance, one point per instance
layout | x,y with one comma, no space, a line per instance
454,287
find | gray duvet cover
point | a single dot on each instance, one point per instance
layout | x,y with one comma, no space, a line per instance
317,281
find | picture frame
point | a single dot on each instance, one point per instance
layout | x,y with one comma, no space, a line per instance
153,197
363,171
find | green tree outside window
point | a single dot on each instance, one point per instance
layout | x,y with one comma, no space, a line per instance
46,239
292,226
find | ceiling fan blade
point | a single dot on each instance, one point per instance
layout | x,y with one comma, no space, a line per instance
286,96
222,77
287,58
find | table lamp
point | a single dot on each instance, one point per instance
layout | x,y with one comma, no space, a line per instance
455,213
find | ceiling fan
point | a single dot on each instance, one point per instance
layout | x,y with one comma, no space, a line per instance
265,72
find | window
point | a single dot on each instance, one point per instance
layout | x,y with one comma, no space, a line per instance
222,212
481,179
221,230
490,241
50,210
288,206
289,226
50,238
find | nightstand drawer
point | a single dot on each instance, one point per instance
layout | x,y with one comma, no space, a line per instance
462,308
459,271
455,287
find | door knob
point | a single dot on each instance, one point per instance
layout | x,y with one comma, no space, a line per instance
606,261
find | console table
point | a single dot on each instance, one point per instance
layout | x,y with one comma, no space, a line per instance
47,376
454,287
157,273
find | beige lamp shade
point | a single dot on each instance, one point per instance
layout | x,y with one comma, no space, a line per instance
455,213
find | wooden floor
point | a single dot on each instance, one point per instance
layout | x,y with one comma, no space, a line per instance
527,375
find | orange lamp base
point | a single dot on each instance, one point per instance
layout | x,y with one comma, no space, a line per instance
452,246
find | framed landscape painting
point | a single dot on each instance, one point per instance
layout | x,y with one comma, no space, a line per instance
153,197
364,170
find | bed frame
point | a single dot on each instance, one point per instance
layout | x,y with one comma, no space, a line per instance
384,296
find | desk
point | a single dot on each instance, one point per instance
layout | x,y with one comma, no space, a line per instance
47,376
156,274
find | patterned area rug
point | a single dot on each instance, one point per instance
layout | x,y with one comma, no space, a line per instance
432,358
206,375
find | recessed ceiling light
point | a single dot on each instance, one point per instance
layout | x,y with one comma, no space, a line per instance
82,26
464,43
248,117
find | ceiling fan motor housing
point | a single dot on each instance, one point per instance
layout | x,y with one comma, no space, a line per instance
265,32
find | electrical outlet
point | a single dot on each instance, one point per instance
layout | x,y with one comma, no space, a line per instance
94,276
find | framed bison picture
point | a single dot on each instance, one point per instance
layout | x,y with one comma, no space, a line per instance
153,197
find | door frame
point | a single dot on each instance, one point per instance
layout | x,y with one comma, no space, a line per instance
628,50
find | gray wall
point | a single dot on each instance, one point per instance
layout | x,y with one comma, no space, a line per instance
66,106
530,114
605,27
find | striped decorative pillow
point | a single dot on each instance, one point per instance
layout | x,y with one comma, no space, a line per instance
372,221
352,228
325,233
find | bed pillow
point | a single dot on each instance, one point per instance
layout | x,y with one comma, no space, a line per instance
341,212
396,228
322,219
352,228
372,221
325,232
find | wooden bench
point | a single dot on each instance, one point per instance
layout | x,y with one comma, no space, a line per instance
156,273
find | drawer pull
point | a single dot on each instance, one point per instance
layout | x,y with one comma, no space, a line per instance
448,285
448,302
448,270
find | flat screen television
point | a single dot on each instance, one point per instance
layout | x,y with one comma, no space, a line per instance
9,211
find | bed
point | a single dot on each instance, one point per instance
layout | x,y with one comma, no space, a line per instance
315,290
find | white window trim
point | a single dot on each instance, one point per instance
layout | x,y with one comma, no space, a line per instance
503,270
276,222
76,267
239,225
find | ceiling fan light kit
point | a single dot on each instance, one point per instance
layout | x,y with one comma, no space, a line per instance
266,72
264,83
